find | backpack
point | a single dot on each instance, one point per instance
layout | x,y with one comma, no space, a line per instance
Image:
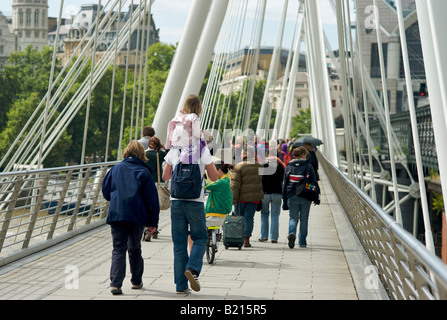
186,181
287,157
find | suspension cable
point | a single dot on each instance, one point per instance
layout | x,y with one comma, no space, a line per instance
417,149
387,116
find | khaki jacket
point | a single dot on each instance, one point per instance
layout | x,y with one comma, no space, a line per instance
246,182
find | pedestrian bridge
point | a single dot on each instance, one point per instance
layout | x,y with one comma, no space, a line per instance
365,242
57,248
333,266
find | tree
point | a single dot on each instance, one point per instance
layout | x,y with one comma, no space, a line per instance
301,123
27,72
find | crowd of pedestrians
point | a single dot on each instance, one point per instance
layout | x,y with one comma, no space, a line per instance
263,177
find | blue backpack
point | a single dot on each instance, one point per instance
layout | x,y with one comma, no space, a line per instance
186,181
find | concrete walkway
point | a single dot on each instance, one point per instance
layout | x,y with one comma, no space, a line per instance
331,267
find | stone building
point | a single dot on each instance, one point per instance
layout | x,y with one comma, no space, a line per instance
72,32
7,40
30,23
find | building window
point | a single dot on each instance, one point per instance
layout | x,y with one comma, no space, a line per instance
2,50
299,103
21,17
375,60
43,18
415,54
28,18
36,18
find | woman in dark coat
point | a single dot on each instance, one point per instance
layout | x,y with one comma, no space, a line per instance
298,207
133,205
312,159
155,149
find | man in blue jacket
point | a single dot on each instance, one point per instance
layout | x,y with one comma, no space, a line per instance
133,205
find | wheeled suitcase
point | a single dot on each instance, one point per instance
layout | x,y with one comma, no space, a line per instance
233,231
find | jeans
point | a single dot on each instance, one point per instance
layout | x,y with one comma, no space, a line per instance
247,210
275,200
187,217
299,212
126,237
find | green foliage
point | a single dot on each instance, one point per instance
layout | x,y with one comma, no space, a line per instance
302,123
25,82
27,72
438,203
434,174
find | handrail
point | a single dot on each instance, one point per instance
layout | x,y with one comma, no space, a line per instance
38,207
406,268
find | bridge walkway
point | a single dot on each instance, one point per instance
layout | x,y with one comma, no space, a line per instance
331,267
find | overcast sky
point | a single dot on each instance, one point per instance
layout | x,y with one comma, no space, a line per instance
170,17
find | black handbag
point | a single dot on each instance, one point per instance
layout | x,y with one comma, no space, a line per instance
308,188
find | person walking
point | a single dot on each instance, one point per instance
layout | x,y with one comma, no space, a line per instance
148,133
298,207
246,185
133,205
271,204
154,151
312,158
187,145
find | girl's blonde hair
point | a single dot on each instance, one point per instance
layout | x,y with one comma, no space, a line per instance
192,105
135,149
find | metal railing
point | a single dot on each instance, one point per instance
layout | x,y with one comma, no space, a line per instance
406,268
39,208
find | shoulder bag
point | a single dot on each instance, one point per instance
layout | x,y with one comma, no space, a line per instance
308,188
163,192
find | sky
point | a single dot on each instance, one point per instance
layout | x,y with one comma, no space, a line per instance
170,17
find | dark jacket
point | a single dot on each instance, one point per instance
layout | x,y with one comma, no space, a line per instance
313,160
152,162
132,193
295,170
272,183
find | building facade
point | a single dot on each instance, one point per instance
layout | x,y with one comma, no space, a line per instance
7,40
395,73
30,23
237,71
73,31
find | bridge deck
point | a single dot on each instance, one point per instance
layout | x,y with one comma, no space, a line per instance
331,267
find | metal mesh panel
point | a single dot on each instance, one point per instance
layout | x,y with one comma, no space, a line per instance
407,269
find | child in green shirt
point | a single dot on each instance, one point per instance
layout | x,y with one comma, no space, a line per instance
220,198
